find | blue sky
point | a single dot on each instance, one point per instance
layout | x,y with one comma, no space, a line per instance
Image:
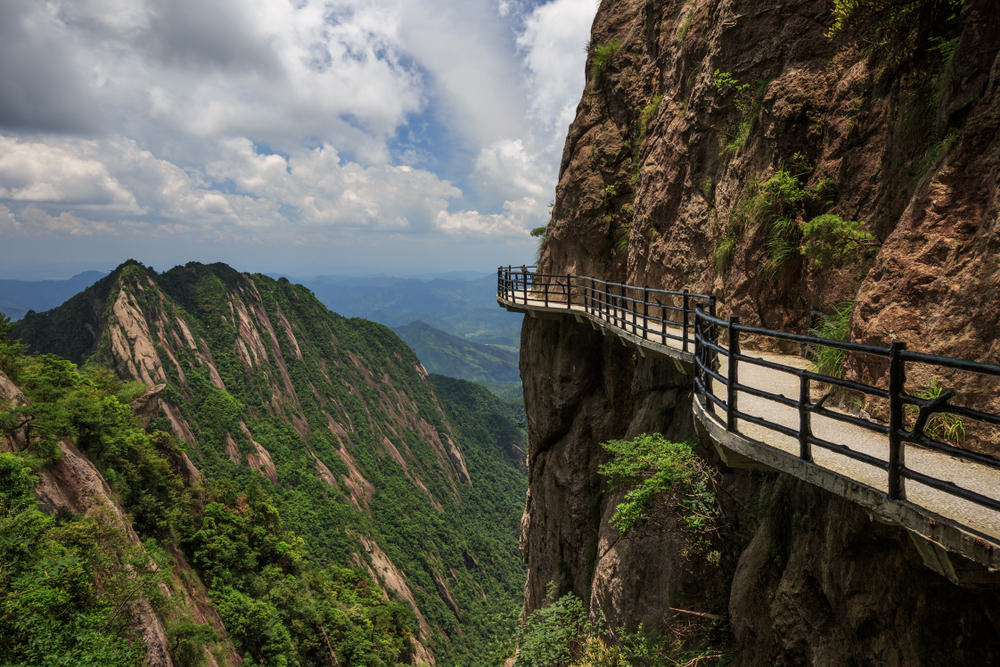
289,136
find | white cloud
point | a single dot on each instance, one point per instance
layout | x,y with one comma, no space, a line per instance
517,218
272,120
510,170
554,42
65,223
324,190
39,172
264,69
7,220
471,66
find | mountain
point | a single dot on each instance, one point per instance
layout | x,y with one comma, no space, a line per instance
333,421
19,296
460,307
785,157
492,366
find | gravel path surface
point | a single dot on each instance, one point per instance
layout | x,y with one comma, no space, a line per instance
966,474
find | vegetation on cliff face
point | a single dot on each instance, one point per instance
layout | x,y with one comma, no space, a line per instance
562,634
654,469
323,444
661,479
61,600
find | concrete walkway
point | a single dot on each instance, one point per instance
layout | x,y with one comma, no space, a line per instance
969,475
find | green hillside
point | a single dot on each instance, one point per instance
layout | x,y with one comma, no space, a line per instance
490,365
333,423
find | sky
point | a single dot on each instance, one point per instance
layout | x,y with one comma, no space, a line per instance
303,137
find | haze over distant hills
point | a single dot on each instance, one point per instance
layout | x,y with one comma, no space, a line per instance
19,296
459,305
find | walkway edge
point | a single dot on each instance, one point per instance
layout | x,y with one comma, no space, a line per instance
922,521
601,325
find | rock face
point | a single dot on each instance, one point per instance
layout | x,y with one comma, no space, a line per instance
568,416
821,583
688,111
652,171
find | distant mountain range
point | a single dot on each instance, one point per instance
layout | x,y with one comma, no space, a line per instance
450,320
19,296
461,307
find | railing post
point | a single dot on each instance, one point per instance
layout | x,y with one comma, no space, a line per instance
613,305
622,307
685,334
697,345
615,312
592,308
897,378
805,428
733,380
713,334
633,308
607,303
569,293
546,293
645,310
699,351
663,322
524,275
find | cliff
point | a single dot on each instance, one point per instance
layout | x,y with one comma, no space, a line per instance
331,420
785,158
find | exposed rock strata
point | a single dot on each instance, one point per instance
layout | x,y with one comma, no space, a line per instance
242,356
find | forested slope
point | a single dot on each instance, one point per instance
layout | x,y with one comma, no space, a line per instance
492,366
328,423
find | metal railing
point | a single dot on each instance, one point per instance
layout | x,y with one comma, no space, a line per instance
657,315
687,320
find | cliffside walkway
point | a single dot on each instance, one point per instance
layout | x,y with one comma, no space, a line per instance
916,468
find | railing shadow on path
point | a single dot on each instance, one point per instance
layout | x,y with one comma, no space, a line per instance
775,410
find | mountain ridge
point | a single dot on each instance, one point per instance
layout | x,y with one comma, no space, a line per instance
335,416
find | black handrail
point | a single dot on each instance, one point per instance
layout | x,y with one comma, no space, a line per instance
640,311
897,357
650,313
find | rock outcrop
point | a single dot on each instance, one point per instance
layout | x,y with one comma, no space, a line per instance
688,111
72,484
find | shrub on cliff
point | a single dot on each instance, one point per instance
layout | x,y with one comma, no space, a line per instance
562,634
653,467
